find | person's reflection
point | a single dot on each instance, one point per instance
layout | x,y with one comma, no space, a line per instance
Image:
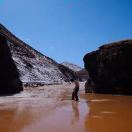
75,112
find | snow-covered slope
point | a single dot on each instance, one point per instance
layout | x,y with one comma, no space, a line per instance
32,65
72,66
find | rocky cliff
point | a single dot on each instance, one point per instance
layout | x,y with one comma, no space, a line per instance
9,76
33,66
110,68
81,73
68,73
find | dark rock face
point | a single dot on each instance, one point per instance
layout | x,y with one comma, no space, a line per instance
68,73
9,76
83,75
80,73
110,68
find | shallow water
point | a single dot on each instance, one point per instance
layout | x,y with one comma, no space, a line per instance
109,113
93,113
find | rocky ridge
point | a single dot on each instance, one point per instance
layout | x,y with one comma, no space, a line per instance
32,65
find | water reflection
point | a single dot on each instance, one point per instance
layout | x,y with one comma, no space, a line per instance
111,115
15,119
94,113
75,112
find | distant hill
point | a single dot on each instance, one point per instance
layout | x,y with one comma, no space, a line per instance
72,66
81,73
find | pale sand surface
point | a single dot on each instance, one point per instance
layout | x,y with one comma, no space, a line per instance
50,109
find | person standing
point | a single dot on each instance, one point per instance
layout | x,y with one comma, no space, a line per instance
75,90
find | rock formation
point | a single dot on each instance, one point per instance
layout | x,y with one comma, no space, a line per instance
110,68
81,73
72,66
34,67
68,73
9,76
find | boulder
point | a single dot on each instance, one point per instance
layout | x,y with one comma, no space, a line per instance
9,76
110,68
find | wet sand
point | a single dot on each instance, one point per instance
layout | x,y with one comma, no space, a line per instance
36,112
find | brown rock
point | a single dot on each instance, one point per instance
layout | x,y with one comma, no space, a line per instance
110,68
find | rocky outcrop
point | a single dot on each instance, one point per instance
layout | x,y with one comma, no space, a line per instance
68,73
83,75
110,68
9,76
34,67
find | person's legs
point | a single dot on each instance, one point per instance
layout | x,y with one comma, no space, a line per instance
73,95
76,96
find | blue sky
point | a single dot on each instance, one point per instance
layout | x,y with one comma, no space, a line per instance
66,30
